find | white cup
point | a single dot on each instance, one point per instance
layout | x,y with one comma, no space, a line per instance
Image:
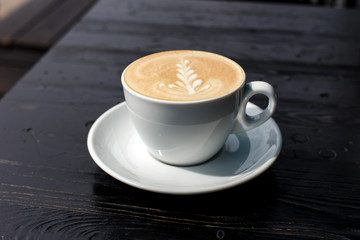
191,132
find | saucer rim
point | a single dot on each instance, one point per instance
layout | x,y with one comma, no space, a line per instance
175,191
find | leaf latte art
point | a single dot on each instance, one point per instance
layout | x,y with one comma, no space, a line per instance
188,80
183,75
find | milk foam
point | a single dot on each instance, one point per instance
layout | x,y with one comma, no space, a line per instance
183,75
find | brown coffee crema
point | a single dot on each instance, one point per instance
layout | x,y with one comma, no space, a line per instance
183,75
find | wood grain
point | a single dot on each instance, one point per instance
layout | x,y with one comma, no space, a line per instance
51,189
232,15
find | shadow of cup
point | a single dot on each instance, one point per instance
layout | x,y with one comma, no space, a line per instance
230,160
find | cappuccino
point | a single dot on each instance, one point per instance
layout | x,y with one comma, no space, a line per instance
184,75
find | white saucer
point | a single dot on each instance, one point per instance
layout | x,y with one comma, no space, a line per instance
116,148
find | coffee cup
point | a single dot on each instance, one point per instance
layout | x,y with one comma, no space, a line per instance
184,104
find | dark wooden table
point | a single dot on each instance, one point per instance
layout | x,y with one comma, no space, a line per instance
50,188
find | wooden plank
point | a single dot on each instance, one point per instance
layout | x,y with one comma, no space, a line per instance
232,42
140,26
20,20
46,31
239,15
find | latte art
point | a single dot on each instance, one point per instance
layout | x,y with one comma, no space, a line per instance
189,82
183,75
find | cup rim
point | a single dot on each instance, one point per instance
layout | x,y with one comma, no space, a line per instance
157,100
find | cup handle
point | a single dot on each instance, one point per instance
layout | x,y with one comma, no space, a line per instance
245,122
